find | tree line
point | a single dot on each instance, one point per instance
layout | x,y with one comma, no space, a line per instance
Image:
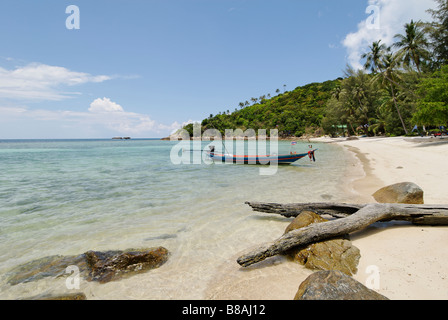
401,86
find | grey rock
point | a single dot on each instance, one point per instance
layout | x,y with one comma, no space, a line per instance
334,285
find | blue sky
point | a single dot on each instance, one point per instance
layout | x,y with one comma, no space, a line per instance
141,68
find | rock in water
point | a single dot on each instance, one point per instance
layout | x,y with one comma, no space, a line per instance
93,265
405,192
71,296
51,266
335,254
113,265
334,285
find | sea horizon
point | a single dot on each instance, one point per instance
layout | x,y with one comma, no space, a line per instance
66,197
71,139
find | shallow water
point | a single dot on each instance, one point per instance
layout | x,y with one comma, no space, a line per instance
65,197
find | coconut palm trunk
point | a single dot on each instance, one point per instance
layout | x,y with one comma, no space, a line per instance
396,107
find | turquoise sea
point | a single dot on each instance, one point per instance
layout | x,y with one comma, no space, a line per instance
65,197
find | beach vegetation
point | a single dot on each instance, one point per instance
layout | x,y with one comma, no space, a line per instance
433,99
401,85
437,31
412,46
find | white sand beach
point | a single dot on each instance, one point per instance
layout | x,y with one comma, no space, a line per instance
399,260
411,260
391,160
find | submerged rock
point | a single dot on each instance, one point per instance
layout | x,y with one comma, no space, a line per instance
71,296
93,265
334,285
112,265
336,254
51,266
405,192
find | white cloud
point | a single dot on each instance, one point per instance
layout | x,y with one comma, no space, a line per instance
113,116
393,15
105,105
102,114
42,82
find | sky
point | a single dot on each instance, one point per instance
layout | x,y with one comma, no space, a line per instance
143,68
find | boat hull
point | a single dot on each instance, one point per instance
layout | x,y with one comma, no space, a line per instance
260,160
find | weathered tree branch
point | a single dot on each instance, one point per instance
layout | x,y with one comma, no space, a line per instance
364,216
337,210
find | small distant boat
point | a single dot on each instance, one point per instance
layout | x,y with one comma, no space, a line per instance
285,159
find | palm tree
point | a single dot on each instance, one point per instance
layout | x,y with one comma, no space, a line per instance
389,78
379,124
347,109
336,92
438,32
381,59
412,46
359,95
373,58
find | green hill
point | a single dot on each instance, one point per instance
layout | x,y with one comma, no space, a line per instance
293,113
402,90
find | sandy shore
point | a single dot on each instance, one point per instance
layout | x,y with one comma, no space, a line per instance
411,260
398,260
391,160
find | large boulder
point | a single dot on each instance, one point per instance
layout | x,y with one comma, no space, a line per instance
334,285
336,254
405,192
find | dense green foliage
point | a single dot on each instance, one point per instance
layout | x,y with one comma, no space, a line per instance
292,113
407,86
433,102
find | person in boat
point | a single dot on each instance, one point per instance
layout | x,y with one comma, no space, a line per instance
212,149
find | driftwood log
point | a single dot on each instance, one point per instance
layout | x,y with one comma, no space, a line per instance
350,218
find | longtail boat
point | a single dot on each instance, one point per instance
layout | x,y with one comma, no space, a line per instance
261,159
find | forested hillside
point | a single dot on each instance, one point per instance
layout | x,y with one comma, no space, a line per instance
293,113
402,86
